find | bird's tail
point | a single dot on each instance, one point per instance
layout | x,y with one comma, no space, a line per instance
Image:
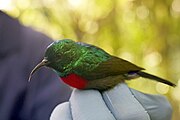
153,77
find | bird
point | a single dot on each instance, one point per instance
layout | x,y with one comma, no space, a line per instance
85,66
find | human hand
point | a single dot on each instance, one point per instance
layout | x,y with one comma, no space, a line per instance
119,103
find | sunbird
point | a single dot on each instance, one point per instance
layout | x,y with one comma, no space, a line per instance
86,66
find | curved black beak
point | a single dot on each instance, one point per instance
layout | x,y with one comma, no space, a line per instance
44,62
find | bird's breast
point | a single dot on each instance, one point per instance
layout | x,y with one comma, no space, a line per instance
75,81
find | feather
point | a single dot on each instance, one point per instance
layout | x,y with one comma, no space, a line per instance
111,67
153,77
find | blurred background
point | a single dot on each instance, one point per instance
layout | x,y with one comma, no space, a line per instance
145,32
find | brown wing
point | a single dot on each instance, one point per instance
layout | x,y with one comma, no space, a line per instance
111,67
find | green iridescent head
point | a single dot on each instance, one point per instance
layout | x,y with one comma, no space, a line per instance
62,53
59,55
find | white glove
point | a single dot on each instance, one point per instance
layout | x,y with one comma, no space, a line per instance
119,103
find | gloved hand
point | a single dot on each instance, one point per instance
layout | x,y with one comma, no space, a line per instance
119,103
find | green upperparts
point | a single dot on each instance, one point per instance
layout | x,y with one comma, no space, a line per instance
66,56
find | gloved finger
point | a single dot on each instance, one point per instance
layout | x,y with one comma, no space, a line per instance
61,112
123,105
157,106
89,105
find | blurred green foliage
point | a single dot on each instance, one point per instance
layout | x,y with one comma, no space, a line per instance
145,32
